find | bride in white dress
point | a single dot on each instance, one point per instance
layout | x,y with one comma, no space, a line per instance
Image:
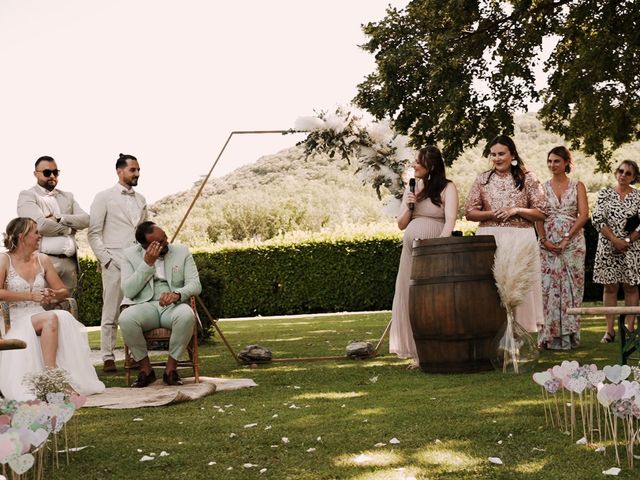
54,338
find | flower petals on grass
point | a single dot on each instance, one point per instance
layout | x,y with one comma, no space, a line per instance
613,471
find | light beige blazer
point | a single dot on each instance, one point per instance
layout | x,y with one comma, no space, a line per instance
111,228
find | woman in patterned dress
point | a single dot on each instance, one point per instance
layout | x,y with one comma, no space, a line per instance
618,254
507,200
435,206
562,253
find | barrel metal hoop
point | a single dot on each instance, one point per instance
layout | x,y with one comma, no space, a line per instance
450,279
433,250
453,338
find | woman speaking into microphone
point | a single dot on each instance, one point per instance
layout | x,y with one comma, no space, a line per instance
429,212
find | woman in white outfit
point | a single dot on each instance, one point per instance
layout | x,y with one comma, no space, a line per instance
55,339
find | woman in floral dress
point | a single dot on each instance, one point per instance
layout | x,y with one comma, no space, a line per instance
618,253
562,253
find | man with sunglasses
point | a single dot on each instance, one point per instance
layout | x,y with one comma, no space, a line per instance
58,216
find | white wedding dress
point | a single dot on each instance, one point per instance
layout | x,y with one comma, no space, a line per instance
73,345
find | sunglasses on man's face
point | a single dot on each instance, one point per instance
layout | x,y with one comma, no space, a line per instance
47,173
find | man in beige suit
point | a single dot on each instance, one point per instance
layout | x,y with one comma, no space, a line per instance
115,214
58,216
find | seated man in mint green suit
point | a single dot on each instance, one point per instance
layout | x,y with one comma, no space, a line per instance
157,280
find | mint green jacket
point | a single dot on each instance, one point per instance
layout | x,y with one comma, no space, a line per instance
137,277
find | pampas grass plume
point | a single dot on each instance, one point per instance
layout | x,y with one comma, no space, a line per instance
513,268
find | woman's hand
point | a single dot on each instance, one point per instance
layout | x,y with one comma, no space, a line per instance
620,245
552,247
411,199
41,296
562,246
504,214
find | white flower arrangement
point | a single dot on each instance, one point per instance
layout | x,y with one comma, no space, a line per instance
382,155
48,382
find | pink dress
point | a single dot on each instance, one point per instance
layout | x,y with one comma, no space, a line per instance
429,221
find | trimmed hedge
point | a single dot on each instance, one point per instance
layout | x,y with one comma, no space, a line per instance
310,277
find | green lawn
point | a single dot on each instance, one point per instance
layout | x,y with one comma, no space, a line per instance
447,425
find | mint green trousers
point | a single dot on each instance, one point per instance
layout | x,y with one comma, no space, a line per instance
142,317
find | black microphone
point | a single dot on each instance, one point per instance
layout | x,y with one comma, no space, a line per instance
412,189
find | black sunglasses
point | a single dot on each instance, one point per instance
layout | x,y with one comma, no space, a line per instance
626,173
47,173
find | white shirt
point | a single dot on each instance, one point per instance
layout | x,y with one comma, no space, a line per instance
60,244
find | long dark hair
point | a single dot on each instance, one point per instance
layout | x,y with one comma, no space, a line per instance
431,159
517,171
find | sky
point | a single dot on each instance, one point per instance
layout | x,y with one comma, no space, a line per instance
166,81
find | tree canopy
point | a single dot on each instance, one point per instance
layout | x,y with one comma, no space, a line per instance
454,72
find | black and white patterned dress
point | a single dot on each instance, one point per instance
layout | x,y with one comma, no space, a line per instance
611,266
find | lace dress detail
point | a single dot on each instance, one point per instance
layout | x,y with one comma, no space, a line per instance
73,344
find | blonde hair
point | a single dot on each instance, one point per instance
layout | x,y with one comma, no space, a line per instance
17,227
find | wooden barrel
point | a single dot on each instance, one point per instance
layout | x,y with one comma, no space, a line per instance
454,305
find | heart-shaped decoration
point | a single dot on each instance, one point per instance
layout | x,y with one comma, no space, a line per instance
22,463
577,385
610,393
597,377
570,366
541,377
559,372
24,416
78,400
631,389
9,447
616,373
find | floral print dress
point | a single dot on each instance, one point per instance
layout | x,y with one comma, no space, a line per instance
562,274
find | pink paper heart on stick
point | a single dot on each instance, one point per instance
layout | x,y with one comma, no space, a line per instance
610,393
7,448
570,366
577,385
596,378
631,389
559,372
78,400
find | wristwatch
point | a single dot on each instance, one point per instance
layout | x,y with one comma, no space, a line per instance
627,239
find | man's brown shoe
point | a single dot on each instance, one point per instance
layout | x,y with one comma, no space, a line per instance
109,366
